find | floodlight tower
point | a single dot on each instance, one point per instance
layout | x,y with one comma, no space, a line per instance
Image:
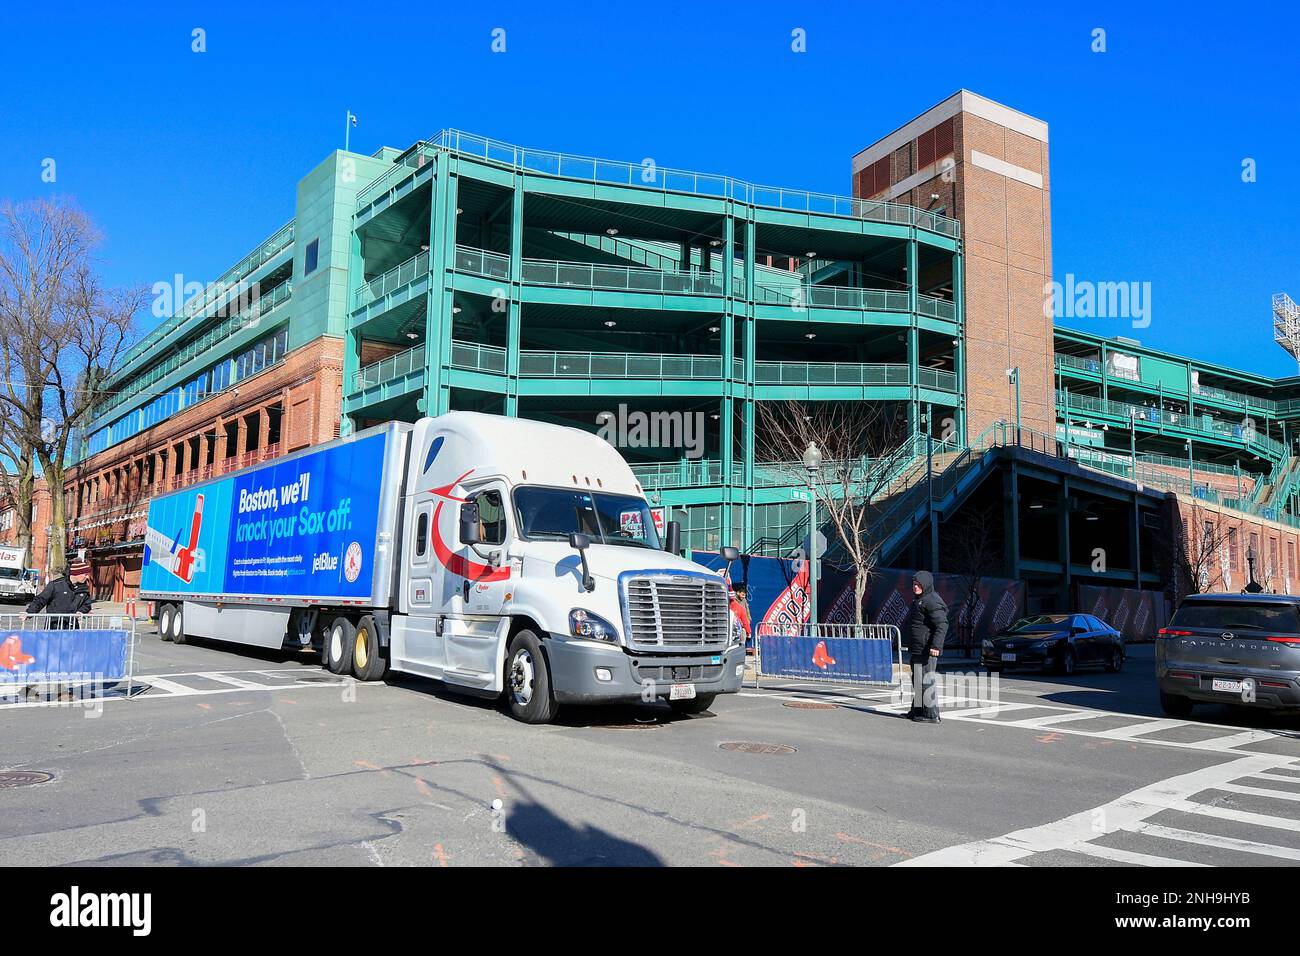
1286,324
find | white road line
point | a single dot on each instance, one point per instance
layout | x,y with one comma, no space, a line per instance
225,678
1259,792
1216,841
1236,816
1233,741
961,713
1053,719
1125,813
1146,727
1116,855
171,688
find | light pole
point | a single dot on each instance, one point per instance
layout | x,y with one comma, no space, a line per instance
1013,376
348,123
1191,479
812,461
1133,440
929,491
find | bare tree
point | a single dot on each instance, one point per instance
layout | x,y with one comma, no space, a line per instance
1195,556
972,548
17,486
863,444
62,329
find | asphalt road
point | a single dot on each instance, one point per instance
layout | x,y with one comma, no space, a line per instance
239,757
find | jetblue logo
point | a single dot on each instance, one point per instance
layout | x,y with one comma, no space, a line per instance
324,562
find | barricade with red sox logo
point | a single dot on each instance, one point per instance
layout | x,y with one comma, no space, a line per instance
869,654
65,650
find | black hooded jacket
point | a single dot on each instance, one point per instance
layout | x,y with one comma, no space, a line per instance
61,596
929,622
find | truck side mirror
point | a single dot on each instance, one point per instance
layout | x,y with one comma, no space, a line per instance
581,542
730,554
469,528
673,537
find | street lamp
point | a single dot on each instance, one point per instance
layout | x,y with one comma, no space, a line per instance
1013,376
812,461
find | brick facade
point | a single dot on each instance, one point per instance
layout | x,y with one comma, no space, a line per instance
987,166
291,405
39,557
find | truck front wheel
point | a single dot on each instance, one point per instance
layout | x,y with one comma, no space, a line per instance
367,662
340,643
528,681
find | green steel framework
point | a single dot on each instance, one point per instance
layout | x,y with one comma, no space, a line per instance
741,295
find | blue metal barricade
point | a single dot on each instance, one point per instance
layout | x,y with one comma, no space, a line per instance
65,649
842,653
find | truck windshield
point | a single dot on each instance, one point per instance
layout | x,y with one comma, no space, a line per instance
607,519
10,573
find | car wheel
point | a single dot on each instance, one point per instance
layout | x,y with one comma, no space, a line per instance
1067,663
528,681
165,622
340,643
1115,663
367,661
1175,706
696,705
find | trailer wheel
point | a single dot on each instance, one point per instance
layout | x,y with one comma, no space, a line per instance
178,624
528,681
367,661
340,641
165,614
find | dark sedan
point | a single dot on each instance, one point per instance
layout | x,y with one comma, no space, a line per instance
1060,642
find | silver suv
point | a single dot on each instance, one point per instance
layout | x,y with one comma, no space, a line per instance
1241,649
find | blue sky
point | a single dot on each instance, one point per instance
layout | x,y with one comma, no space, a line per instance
187,160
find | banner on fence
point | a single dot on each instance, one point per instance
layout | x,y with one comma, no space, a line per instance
35,656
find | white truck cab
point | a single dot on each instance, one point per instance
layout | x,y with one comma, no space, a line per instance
17,581
530,565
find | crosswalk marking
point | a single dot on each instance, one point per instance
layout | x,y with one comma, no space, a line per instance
1130,813
154,687
1214,840
1116,855
1053,719
1146,727
1259,792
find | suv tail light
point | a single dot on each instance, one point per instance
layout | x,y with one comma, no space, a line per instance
1285,640
1170,632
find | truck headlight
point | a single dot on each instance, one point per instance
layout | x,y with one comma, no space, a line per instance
592,627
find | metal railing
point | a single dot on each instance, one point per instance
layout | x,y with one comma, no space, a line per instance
480,262
648,177
387,369
478,358
685,473
1202,422
620,278
54,655
1094,365
618,365
393,279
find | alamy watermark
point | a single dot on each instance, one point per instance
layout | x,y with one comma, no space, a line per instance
637,429
1085,299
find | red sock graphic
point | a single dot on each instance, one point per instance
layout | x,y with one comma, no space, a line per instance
11,654
821,658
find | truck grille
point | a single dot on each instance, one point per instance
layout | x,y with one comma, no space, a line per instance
676,613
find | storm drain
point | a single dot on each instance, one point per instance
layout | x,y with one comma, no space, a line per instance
319,679
809,705
23,778
748,747
648,724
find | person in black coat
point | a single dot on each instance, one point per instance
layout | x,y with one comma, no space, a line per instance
67,594
927,628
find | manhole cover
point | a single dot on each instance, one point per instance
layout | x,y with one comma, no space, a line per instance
23,778
809,705
747,747
318,679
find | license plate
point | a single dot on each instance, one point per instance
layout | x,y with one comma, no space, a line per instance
682,692
1228,686
1008,657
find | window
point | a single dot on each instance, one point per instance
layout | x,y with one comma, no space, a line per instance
422,534
313,252
491,517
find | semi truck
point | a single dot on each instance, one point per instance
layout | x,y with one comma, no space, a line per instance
17,581
501,556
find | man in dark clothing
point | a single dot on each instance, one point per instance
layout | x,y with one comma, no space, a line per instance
68,594
926,631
